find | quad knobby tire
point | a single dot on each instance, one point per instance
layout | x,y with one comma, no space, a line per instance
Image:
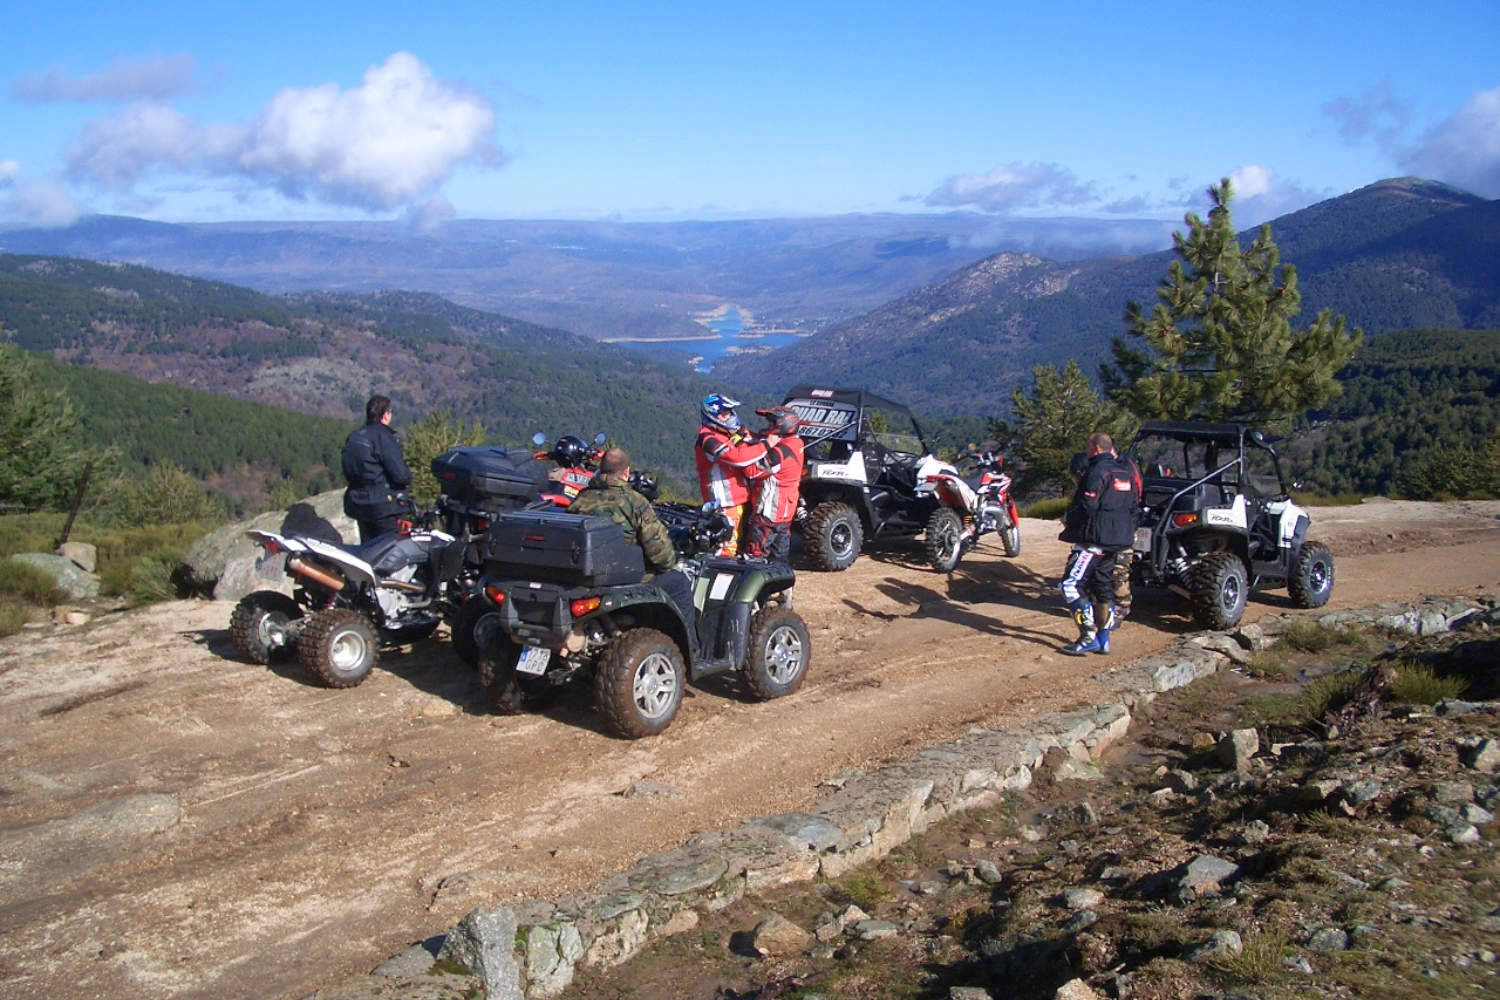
779,652
1312,578
832,536
261,626
1220,588
639,682
506,691
339,647
944,539
475,624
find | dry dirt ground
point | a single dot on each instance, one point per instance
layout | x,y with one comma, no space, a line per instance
177,822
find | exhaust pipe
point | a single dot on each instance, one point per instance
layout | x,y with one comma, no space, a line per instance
410,588
313,573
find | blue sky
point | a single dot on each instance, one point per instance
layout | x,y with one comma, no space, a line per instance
333,110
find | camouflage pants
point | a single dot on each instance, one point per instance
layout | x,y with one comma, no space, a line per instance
1123,561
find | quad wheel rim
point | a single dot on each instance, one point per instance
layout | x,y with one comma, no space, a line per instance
348,650
783,654
655,686
271,631
1317,577
1229,593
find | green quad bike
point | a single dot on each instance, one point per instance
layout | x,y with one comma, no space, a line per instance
1217,521
569,606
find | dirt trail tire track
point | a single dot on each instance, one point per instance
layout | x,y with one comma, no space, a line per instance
320,831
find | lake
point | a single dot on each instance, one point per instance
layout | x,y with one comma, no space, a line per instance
728,327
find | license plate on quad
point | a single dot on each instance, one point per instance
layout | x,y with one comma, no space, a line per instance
1143,539
271,566
534,660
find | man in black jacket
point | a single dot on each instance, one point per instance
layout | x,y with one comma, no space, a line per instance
375,471
1100,523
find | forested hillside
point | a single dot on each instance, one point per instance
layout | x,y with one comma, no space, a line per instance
324,354
1420,412
1395,255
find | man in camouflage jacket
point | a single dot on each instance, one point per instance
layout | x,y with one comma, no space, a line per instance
611,495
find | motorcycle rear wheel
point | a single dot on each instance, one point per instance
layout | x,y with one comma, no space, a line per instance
944,539
260,626
339,647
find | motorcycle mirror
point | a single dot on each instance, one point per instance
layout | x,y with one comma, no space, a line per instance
538,438
600,438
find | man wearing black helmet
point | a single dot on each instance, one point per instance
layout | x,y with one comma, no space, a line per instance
774,485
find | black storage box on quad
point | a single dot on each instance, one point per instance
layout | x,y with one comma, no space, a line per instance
554,547
492,477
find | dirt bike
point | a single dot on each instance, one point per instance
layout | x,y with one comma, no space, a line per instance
570,604
348,599
968,507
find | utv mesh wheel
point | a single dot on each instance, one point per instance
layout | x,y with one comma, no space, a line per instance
263,626
339,647
833,536
639,684
1220,589
1312,580
944,539
779,653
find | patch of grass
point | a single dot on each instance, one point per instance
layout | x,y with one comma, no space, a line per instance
30,583
13,616
1047,510
1310,637
1328,693
865,890
1327,500
1417,684
141,580
1259,963
1271,663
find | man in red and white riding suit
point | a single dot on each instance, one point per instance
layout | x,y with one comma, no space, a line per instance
723,452
774,486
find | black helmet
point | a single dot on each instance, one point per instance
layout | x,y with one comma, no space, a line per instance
1078,465
570,451
781,419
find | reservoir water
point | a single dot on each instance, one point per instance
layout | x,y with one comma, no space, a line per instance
728,327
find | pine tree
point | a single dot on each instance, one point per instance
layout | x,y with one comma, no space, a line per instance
41,459
1219,343
1054,421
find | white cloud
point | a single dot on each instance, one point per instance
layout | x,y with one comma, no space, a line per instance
387,143
9,171
39,202
1463,150
1260,195
1251,181
157,78
1014,186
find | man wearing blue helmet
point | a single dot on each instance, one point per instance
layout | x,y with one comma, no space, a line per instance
723,452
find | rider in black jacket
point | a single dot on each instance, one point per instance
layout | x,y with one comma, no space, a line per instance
375,471
1100,523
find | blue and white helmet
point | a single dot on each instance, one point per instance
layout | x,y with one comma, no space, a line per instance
718,411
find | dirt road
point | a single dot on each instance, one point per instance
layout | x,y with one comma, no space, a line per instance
175,822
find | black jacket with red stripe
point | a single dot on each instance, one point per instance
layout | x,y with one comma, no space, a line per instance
1106,505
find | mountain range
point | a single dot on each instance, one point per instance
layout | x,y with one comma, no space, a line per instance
642,281
1395,255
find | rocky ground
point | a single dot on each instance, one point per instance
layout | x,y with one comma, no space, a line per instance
175,822
1298,828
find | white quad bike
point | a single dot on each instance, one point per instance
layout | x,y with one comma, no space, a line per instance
1217,521
347,600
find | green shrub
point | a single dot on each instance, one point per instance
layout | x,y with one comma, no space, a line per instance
1259,962
141,580
31,583
1310,637
13,615
1419,685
